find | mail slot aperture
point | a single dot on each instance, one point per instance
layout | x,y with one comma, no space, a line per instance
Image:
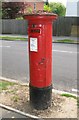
35,31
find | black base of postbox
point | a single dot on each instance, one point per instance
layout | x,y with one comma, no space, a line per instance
40,98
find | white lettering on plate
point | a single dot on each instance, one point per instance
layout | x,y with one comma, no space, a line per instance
33,44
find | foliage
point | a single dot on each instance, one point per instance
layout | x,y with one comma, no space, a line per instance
69,95
78,102
12,38
19,18
66,41
15,98
0,9
72,96
5,84
11,10
28,10
47,8
57,8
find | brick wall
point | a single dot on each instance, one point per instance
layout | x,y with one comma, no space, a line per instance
39,5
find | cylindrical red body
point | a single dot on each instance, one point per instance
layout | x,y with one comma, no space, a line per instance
40,50
40,59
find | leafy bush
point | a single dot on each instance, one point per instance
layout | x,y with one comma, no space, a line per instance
47,8
57,8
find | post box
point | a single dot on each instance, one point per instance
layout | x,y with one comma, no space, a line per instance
40,58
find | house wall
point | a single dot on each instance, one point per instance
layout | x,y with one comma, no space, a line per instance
38,5
72,8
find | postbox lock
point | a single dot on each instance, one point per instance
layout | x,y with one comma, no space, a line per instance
33,25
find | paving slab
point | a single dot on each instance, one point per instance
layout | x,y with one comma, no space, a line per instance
9,114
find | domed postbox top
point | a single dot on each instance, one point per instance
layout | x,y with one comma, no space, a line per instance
40,15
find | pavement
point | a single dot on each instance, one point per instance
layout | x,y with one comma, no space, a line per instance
10,114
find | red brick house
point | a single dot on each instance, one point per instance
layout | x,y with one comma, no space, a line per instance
24,5
37,4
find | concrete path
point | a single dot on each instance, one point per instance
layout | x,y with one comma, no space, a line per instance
10,114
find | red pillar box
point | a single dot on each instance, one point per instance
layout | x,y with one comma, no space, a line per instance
40,58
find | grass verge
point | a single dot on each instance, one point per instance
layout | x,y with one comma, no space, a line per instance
15,98
69,95
72,96
78,102
13,38
4,85
67,41
24,39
